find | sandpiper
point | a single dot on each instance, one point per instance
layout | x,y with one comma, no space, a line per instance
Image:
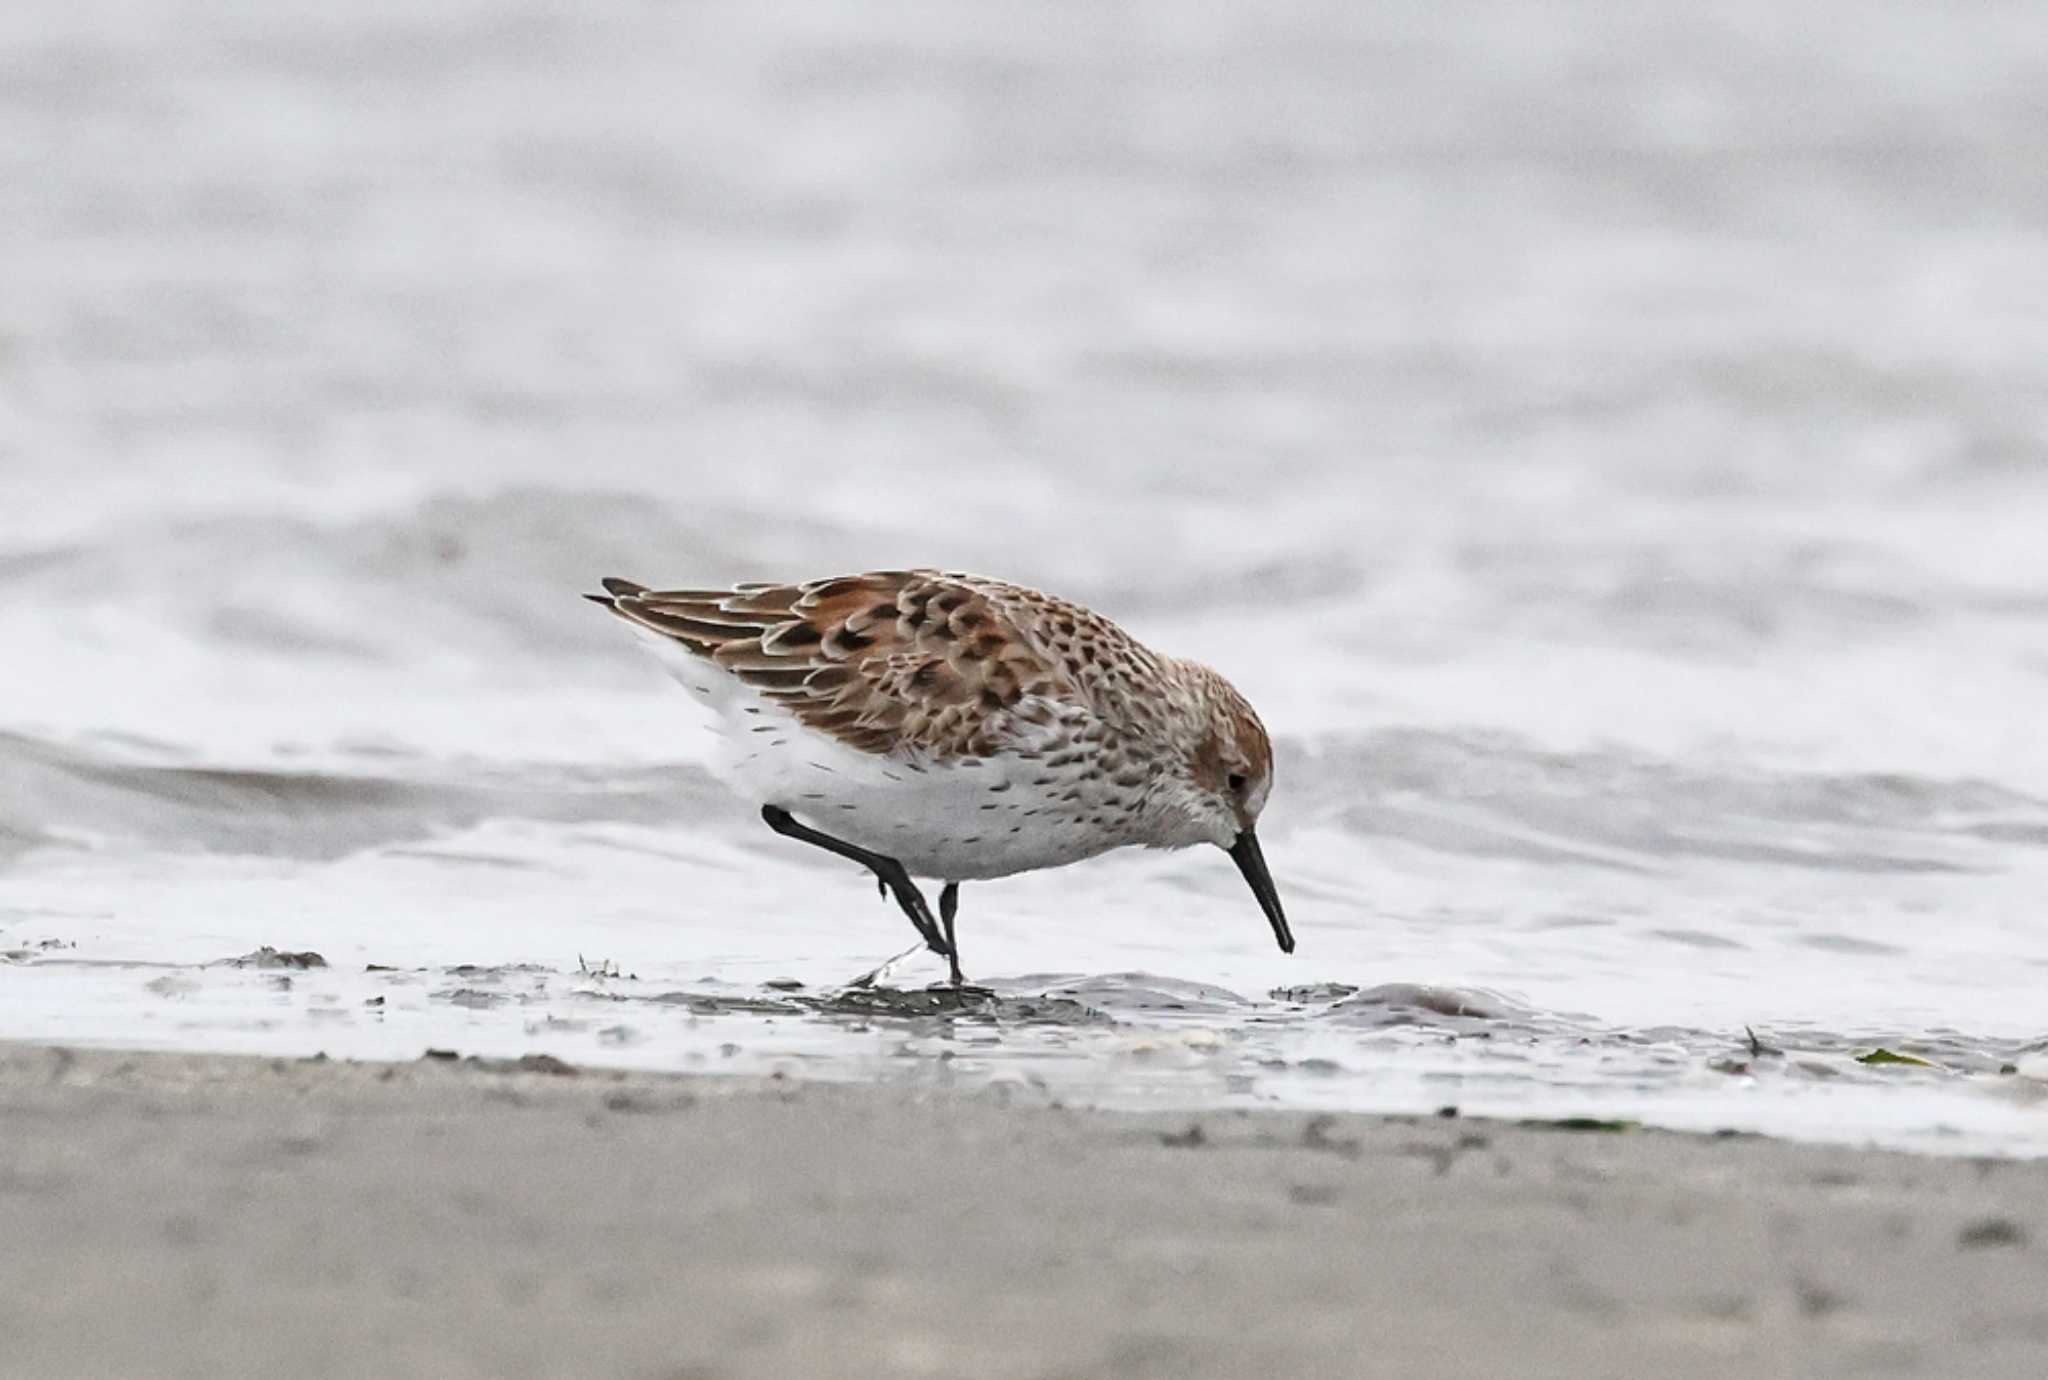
952,727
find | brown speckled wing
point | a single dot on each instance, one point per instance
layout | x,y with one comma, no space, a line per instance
902,661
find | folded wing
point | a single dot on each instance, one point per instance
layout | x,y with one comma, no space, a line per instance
906,662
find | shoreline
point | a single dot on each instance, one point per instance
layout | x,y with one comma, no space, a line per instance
203,1215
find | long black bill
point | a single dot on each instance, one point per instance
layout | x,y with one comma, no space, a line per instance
1250,861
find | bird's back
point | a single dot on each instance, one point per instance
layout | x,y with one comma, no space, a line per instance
916,662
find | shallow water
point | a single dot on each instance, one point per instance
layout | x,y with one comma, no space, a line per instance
1613,455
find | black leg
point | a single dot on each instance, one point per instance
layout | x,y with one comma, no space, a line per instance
949,906
887,871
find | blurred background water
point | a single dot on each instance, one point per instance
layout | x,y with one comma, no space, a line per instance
1609,443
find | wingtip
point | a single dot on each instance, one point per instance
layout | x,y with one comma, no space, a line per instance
604,599
613,585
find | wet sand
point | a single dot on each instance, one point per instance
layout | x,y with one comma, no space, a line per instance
201,1215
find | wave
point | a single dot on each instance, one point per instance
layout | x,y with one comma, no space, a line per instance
1478,795
61,794
1493,795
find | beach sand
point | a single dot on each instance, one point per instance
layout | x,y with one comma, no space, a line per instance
222,1216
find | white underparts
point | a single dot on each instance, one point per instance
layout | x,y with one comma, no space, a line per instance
949,820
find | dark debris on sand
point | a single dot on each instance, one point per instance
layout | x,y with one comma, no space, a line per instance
887,1003
267,957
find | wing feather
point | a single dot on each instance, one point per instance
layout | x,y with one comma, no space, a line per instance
895,662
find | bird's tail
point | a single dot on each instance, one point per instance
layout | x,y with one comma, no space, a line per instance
615,589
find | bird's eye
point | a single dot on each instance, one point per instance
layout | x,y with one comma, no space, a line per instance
1236,782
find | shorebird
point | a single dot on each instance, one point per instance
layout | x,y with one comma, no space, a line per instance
957,728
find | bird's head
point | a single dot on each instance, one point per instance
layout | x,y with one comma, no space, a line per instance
1228,775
